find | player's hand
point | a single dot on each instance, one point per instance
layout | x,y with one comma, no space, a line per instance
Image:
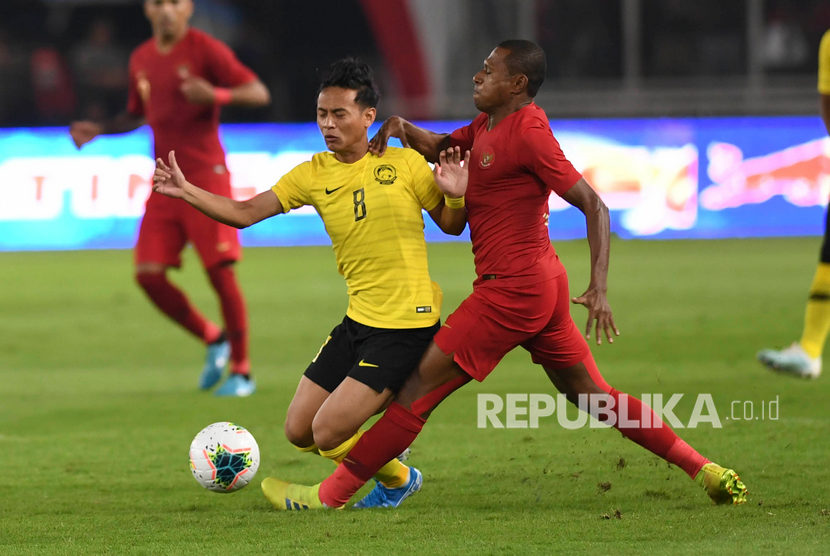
195,89
451,172
599,315
392,127
168,179
83,132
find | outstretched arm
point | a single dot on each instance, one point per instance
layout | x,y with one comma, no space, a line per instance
198,90
451,177
84,131
169,180
583,197
426,142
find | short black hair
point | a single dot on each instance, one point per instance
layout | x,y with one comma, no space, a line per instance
528,58
351,73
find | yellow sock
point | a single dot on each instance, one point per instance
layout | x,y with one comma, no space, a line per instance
313,449
337,454
393,474
817,315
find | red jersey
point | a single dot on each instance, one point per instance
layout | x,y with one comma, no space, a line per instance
513,169
154,93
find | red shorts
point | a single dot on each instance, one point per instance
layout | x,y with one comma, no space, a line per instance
169,224
496,318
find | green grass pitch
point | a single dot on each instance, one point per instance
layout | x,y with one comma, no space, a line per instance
98,405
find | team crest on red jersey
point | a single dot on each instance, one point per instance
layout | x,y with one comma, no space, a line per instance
487,158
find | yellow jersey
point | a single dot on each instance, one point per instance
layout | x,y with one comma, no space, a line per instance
372,212
824,64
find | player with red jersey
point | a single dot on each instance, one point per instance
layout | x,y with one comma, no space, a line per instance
179,80
520,296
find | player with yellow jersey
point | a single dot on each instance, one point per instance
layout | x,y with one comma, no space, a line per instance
372,211
824,75
803,358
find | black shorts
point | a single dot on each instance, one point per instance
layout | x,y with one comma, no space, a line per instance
380,358
824,255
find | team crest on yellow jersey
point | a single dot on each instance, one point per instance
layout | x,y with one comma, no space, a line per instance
385,174
487,158
143,86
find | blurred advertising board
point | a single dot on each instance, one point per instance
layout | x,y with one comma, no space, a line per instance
661,178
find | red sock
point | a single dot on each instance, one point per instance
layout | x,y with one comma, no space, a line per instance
224,282
657,436
650,431
387,438
172,302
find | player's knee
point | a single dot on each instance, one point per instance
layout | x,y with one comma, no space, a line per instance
297,432
327,434
149,281
221,274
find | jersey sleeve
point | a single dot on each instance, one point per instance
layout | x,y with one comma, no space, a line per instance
824,64
292,188
135,106
224,67
423,182
463,136
541,154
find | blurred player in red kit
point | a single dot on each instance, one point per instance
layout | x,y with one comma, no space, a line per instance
178,81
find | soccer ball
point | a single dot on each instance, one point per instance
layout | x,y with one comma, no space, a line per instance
224,457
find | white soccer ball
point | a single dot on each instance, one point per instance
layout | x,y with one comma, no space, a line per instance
224,457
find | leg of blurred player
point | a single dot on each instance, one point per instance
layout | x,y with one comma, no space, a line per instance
224,281
171,301
803,358
164,232
219,249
